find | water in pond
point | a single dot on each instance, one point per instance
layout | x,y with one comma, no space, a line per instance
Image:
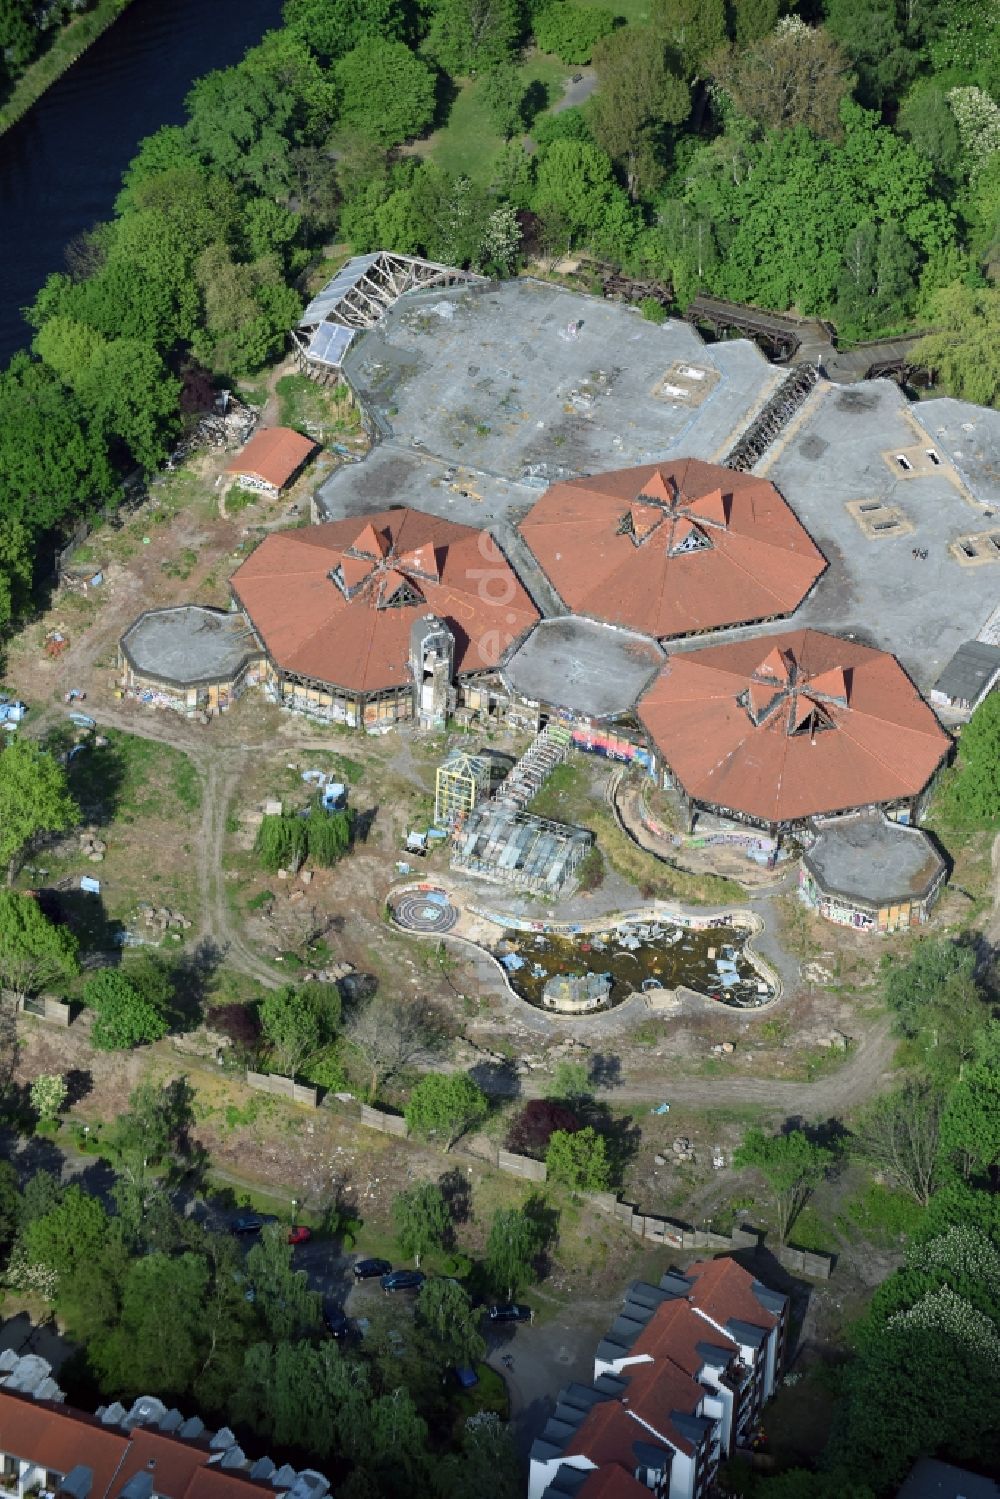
639,955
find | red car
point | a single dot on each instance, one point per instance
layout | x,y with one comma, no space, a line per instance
299,1234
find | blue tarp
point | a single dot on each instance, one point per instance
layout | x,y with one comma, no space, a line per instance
512,962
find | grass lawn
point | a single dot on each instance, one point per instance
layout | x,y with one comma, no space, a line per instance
67,45
467,144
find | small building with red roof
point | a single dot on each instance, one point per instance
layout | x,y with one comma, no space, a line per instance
672,549
272,458
394,616
778,729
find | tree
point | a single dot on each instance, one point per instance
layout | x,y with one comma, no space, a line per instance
123,1017
445,1104
639,96
576,190
970,1124
753,19
282,843
693,28
10,1203
797,75
422,1220
387,93
533,1127
329,28
571,31
503,92
900,1135
911,987
445,1310
391,1034
466,35
878,282
15,571
48,1094
791,1165
870,33
486,1464
972,791
964,357
158,1340
329,836
74,1231
515,1238
34,800
926,119
33,952
579,1160
282,1297
571,1083
153,1133
297,1022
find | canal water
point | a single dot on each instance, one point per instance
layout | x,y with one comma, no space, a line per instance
61,166
634,956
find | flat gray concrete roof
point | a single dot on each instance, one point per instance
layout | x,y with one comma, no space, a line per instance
875,861
841,449
589,668
189,645
532,382
970,436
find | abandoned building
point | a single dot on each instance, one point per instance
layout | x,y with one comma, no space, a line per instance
337,609
672,549
189,658
972,672
871,874
272,458
778,729
499,843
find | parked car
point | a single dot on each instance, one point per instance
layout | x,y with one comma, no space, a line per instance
577,77
251,1223
336,1321
509,1311
466,1376
299,1234
369,1269
403,1280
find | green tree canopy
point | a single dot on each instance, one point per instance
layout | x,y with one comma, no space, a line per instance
466,35
445,1310
34,800
446,1105
388,93
123,1017
33,952
422,1219
571,31
971,794
298,1021
797,75
791,1164
970,1126
515,1239
329,28
639,96
579,1160
69,1234
911,987
283,1299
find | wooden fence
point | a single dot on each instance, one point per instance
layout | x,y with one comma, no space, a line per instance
283,1087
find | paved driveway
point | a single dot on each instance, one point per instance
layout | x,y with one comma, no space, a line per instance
576,93
545,1357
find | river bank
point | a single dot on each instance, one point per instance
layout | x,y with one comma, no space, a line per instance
71,43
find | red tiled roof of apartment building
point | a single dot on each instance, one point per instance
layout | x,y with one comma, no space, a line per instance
784,727
724,1291
613,1481
336,602
673,548
655,1391
58,1438
273,455
674,1332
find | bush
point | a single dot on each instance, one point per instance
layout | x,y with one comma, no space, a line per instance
579,1160
124,1018
652,310
532,1129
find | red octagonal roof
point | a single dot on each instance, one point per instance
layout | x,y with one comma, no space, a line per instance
337,602
784,727
673,548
